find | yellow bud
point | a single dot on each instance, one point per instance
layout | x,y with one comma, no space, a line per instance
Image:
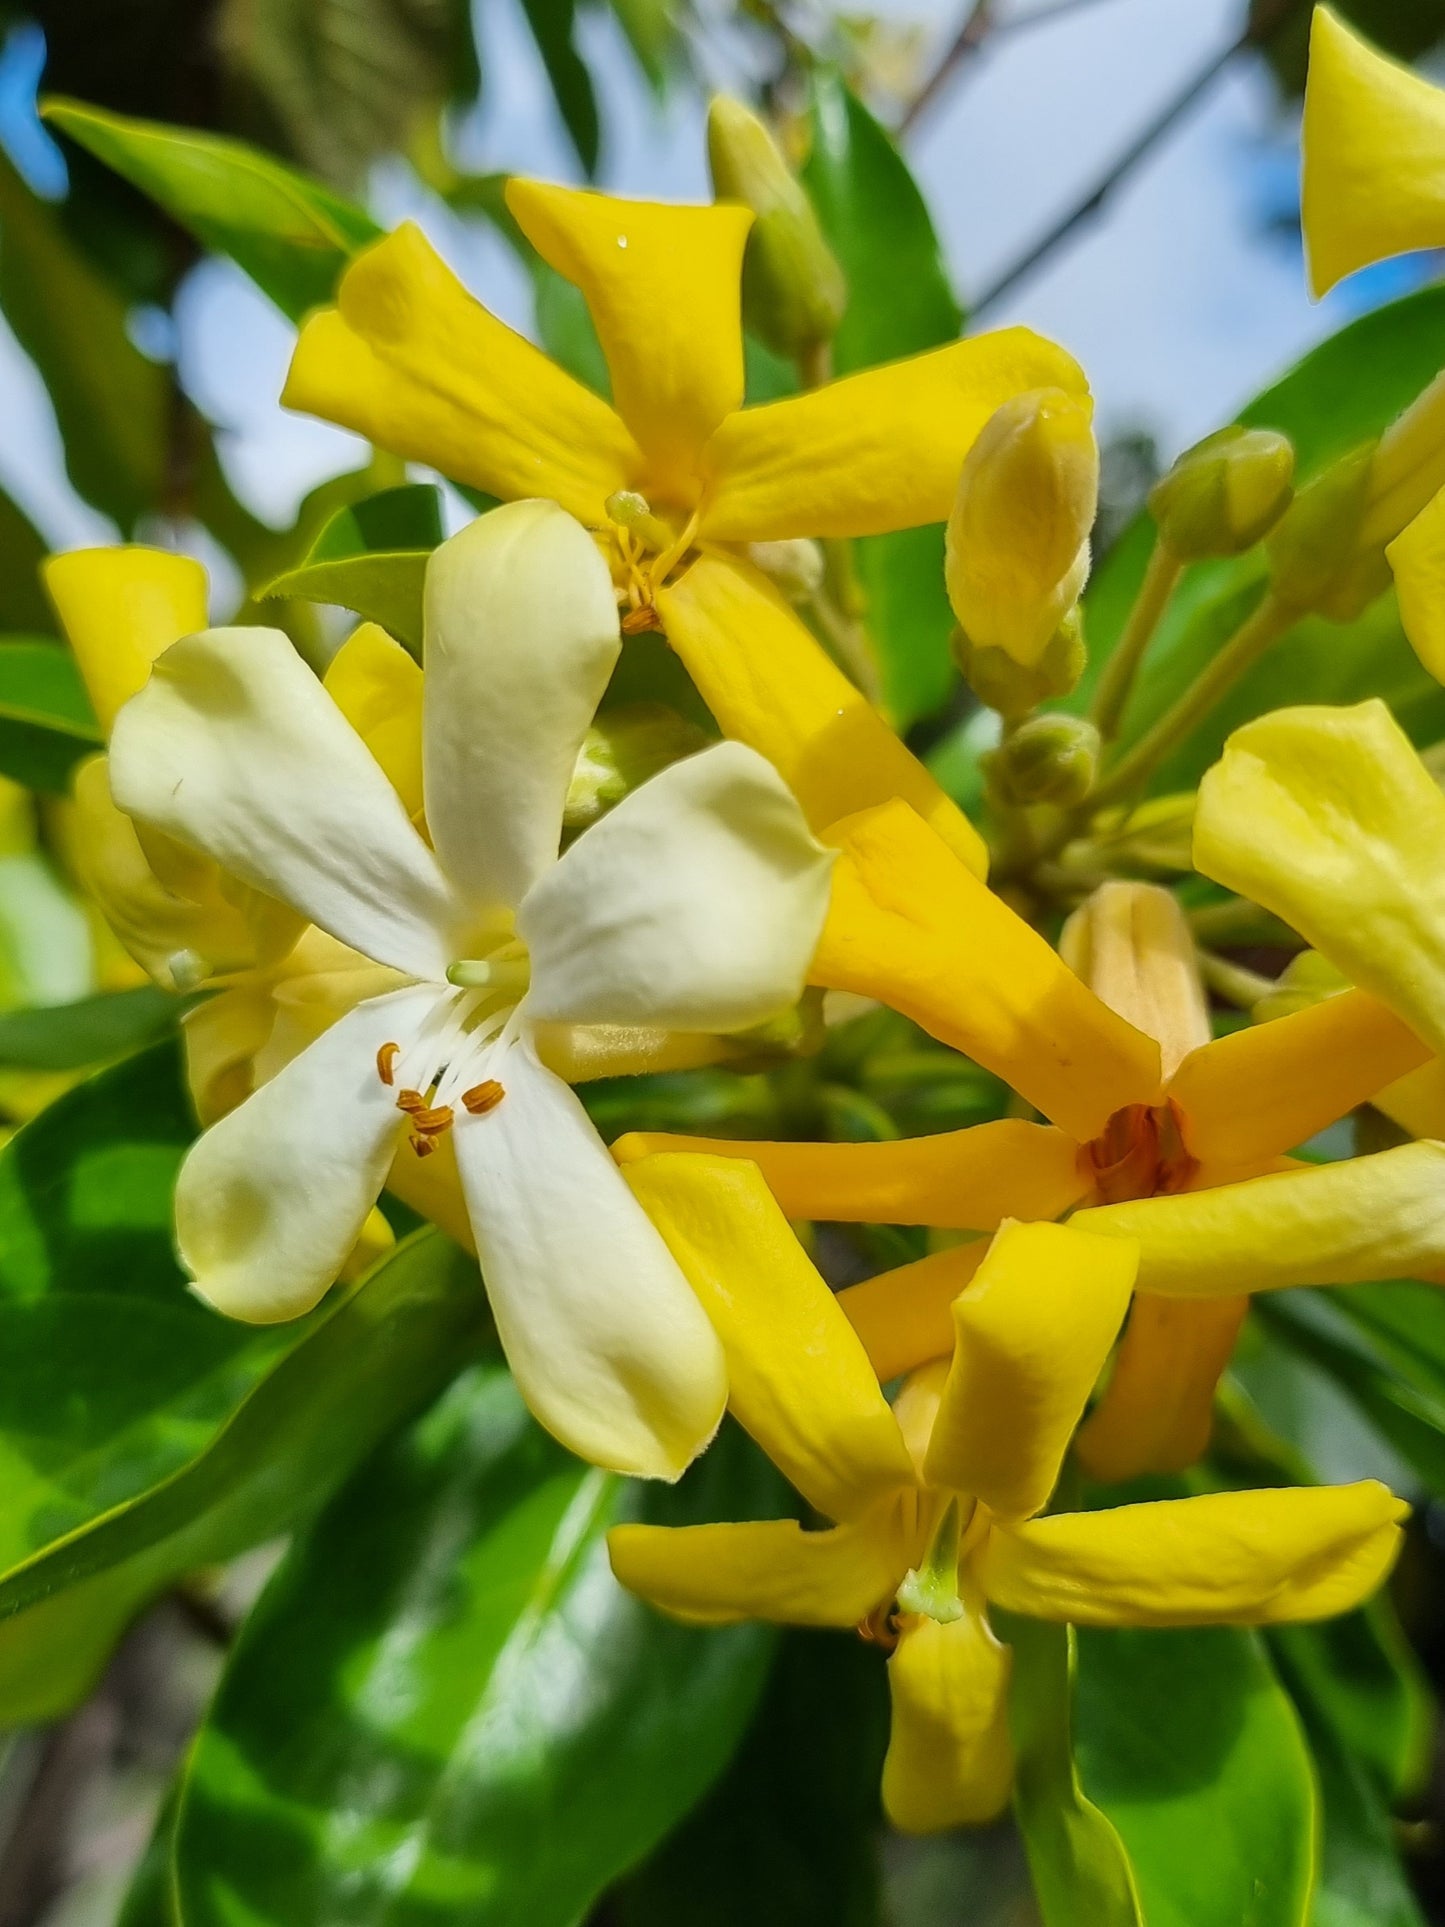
794,292
1409,467
796,566
1018,537
1002,683
119,609
1048,759
1224,494
620,751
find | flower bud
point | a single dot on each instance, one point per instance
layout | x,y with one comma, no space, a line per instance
1048,759
795,566
1224,494
1018,538
794,292
621,750
1002,683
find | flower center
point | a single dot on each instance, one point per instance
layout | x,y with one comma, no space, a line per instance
447,1062
1140,1153
646,548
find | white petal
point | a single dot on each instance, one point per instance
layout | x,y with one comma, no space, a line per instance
270,1200
695,905
609,1345
521,637
234,747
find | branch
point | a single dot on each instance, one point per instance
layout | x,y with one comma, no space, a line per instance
979,24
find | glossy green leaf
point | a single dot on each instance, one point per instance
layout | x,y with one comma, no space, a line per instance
289,233
1078,1860
69,1037
24,606
46,722
789,1836
371,557
899,303
1190,1745
446,1660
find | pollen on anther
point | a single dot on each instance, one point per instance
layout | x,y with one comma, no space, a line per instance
483,1097
410,1101
386,1062
432,1121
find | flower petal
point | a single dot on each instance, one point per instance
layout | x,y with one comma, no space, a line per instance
765,1569
904,1318
410,360
1330,819
234,747
119,609
1417,557
270,1201
695,904
769,683
1374,156
969,1180
663,284
950,1759
521,638
607,1343
911,926
1417,1102
1224,1559
875,451
1158,1407
1033,1332
800,1383
1327,1224
377,687
1259,1092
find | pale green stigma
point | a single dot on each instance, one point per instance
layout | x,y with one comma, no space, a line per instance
932,1588
496,973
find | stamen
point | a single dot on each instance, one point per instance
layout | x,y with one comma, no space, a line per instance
423,1146
386,1062
411,1101
483,1097
638,622
432,1121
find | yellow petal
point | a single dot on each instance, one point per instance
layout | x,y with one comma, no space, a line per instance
1418,559
968,1180
410,360
1259,1092
1327,1224
1374,156
663,286
912,927
221,1037
904,1317
433,1186
377,687
1417,1102
581,1052
771,1569
801,1384
1227,1558
1330,819
875,451
769,683
119,609
1033,1331
950,1759
1158,1407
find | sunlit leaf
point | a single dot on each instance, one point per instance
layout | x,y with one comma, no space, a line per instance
371,557
46,722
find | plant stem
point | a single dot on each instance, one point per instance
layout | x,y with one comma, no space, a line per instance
1254,636
1117,681
1238,986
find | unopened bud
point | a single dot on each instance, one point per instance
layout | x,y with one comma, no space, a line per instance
621,750
794,292
1224,494
1018,538
1048,759
1317,561
795,566
1005,684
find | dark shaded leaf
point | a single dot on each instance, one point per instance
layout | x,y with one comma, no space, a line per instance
46,722
69,1037
554,24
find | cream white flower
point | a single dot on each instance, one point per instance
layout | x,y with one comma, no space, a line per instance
695,904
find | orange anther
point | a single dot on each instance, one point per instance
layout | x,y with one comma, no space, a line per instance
423,1146
386,1062
638,621
411,1101
484,1097
431,1123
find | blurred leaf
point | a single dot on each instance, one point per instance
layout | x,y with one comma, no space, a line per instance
899,303
46,722
554,27
446,1660
1081,1871
371,557
290,234
149,1901
70,1037
1360,1672
789,1836
1190,1745
653,32
24,605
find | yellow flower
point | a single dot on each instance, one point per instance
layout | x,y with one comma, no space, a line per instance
935,1503
1374,156
1169,1138
410,360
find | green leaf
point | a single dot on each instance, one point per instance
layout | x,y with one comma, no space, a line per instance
1081,1871
446,1659
46,722
899,303
1187,1741
289,233
371,557
148,1901
70,1037
554,26
23,603
789,1836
